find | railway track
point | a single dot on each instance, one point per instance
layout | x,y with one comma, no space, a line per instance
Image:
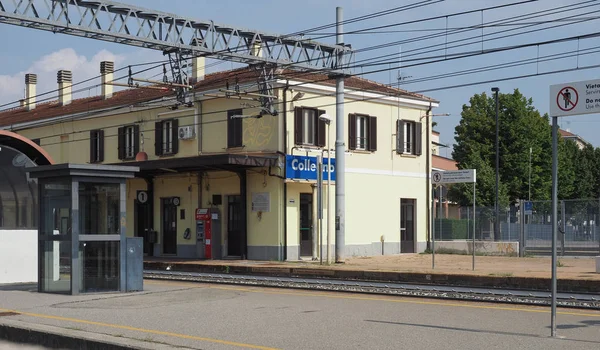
511,296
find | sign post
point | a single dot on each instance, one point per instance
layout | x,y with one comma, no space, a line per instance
575,98
452,177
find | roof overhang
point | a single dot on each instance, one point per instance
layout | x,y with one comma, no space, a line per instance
223,162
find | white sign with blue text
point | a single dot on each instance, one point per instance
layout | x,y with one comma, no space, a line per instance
305,168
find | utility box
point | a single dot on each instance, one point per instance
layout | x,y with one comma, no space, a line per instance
135,264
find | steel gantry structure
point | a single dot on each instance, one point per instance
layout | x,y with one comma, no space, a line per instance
183,38
177,36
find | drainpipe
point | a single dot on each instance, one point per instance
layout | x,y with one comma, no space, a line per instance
284,134
428,176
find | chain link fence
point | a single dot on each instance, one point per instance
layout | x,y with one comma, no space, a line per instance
579,231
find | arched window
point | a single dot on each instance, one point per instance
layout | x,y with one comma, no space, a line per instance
18,193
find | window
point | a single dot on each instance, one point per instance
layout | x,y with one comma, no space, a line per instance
309,129
36,141
362,132
166,139
129,141
408,137
96,146
234,129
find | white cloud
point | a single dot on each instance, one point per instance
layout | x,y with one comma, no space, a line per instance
12,86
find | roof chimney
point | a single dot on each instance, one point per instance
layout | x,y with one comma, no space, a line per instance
107,70
65,80
256,49
198,63
30,85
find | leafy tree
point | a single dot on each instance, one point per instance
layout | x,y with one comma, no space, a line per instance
521,128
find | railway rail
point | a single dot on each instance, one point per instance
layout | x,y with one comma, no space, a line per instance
511,296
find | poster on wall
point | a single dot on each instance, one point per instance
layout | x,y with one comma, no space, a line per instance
261,201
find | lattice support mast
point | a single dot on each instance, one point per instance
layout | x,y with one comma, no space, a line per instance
124,24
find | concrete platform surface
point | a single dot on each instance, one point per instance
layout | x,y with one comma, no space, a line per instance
583,268
168,315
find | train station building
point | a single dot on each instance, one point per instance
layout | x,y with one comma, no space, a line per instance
216,182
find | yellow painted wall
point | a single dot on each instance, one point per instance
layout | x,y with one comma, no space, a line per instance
266,230
259,134
185,187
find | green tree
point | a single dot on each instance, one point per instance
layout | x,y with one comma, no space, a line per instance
521,128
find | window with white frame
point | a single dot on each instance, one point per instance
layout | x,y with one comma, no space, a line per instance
128,141
408,137
362,132
309,129
166,141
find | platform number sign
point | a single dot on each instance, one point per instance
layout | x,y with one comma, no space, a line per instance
142,196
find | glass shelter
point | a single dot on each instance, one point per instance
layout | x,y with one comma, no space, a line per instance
82,246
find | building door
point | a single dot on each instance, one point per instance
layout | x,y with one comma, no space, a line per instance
169,226
234,225
407,225
142,225
306,223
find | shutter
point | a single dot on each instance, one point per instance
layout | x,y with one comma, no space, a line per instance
136,140
158,139
298,126
101,145
238,125
372,134
93,136
418,138
351,131
399,136
121,142
175,135
321,135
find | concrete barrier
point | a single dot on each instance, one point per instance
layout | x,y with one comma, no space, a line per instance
18,256
486,247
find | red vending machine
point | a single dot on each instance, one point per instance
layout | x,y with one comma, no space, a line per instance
208,243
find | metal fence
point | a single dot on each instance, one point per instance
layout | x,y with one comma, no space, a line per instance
579,231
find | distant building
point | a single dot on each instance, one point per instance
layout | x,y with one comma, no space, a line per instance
579,141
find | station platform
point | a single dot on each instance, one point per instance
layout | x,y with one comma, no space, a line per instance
575,274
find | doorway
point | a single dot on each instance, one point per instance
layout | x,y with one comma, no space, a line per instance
169,226
306,223
142,225
234,226
407,225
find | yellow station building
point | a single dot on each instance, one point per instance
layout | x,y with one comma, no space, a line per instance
254,178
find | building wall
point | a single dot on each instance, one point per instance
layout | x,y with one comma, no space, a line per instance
18,256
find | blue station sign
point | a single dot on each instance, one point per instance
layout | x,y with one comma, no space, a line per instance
305,168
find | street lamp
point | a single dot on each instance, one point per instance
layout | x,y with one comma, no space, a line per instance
497,208
327,119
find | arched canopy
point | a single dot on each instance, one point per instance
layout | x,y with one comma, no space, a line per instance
18,192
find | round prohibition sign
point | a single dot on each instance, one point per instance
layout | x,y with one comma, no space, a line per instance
567,98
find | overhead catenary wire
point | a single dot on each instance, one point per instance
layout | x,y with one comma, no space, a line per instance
373,15
358,100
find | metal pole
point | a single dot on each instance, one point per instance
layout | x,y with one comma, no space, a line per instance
530,150
320,205
497,207
433,226
554,219
474,199
428,180
328,194
315,222
340,151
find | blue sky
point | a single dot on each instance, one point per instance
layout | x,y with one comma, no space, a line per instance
45,53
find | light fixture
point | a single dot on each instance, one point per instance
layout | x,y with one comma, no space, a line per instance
297,96
326,118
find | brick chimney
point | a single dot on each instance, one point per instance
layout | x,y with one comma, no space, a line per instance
107,70
65,81
30,85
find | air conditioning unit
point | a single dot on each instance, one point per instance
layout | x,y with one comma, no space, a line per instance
186,132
